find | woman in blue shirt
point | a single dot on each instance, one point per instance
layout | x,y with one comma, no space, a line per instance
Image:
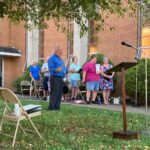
74,77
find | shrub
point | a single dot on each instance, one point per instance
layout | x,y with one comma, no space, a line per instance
25,76
100,58
131,81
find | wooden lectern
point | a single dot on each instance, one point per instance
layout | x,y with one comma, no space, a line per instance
125,134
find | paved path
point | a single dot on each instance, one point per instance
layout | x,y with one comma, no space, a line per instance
140,110
129,108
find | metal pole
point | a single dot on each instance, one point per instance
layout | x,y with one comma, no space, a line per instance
146,92
136,86
138,40
68,41
147,132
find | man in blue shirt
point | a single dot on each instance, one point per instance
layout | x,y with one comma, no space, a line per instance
35,75
57,71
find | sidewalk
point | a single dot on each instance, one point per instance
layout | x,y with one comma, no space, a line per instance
140,110
113,107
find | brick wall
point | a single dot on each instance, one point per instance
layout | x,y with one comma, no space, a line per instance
12,35
110,41
53,38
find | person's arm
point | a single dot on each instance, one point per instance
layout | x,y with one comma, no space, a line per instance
85,69
52,66
71,69
40,73
113,73
31,74
84,75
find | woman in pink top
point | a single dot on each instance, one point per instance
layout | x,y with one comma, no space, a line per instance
91,78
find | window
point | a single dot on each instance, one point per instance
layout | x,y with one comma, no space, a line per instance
146,41
93,38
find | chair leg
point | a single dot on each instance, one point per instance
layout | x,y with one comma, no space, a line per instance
1,124
23,130
34,127
14,139
2,120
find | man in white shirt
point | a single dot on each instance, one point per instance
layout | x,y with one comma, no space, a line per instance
45,70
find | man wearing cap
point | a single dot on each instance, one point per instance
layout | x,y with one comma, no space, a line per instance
57,71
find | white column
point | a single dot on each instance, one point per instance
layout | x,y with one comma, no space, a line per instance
80,44
32,46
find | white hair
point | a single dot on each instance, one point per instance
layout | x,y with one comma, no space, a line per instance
105,58
34,61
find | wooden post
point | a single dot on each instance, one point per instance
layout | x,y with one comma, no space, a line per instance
124,99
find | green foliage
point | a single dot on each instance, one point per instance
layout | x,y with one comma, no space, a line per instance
35,13
100,58
76,128
145,11
25,76
131,81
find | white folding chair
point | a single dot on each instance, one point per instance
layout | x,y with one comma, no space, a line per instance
9,97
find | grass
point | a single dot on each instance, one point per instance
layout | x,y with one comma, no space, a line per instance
79,128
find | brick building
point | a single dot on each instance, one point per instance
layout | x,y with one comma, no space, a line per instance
38,44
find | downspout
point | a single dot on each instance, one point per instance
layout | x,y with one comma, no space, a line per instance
68,39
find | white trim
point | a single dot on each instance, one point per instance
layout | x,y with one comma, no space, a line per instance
9,54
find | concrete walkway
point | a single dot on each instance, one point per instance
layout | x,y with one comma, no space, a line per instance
129,108
140,110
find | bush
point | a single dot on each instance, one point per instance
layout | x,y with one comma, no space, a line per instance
131,81
25,76
100,58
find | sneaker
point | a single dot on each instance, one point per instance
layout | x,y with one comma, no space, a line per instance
94,102
105,102
44,99
88,102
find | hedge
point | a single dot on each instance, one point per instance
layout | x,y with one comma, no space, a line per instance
131,81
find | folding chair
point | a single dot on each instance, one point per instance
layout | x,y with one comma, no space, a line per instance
9,97
25,86
81,92
37,87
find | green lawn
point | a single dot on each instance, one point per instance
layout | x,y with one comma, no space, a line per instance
79,128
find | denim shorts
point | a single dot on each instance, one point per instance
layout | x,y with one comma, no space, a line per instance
74,83
92,85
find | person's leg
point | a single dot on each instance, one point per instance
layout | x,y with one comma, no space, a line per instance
107,95
75,92
73,85
72,92
88,94
60,93
75,88
45,87
94,94
89,87
54,82
104,96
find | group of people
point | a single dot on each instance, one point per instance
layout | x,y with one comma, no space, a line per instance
55,71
